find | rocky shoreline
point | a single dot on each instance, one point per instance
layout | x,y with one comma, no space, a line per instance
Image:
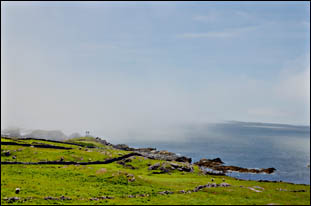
216,165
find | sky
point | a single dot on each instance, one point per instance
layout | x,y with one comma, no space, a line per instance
143,69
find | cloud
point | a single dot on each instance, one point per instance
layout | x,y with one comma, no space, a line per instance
208,18
294,80
229,33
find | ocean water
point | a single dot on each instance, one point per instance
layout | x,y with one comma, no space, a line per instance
250,145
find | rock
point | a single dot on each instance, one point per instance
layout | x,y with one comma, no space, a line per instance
123,147
131,178
183,159
17,190
224,184
213,185
182,191
165,152
217,160
64,198
145,149
217,165
13,157
50,198
105,197
209,162
11,199
254,189
163,155
298,191
165,168
142,195
174,165
257,187
155,166
7,153
166,192
127,160
268,170
280,189
199,188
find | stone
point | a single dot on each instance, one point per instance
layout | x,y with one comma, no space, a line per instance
64,198
209,162
132,179
224,184
50,198
298,191
183,159
123,147
12,199
254,189
217,165
7,153
165,192
257,187
155,166
17,190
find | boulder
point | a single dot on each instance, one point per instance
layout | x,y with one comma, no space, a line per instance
217,166
123,147
209,162
7,153
183,159
149,149
155,166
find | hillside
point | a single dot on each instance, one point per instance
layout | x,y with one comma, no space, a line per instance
88,171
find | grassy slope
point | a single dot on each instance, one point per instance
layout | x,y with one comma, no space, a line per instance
81,183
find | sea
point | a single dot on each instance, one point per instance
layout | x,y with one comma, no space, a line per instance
245,144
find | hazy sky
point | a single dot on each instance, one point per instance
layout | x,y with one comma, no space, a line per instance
131,69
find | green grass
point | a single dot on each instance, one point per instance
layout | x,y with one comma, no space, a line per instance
80,183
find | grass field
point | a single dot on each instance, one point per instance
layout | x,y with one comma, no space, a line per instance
86,184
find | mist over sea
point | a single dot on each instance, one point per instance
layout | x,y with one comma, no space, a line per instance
244,144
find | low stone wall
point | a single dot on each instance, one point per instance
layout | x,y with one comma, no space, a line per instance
74,163
34,145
